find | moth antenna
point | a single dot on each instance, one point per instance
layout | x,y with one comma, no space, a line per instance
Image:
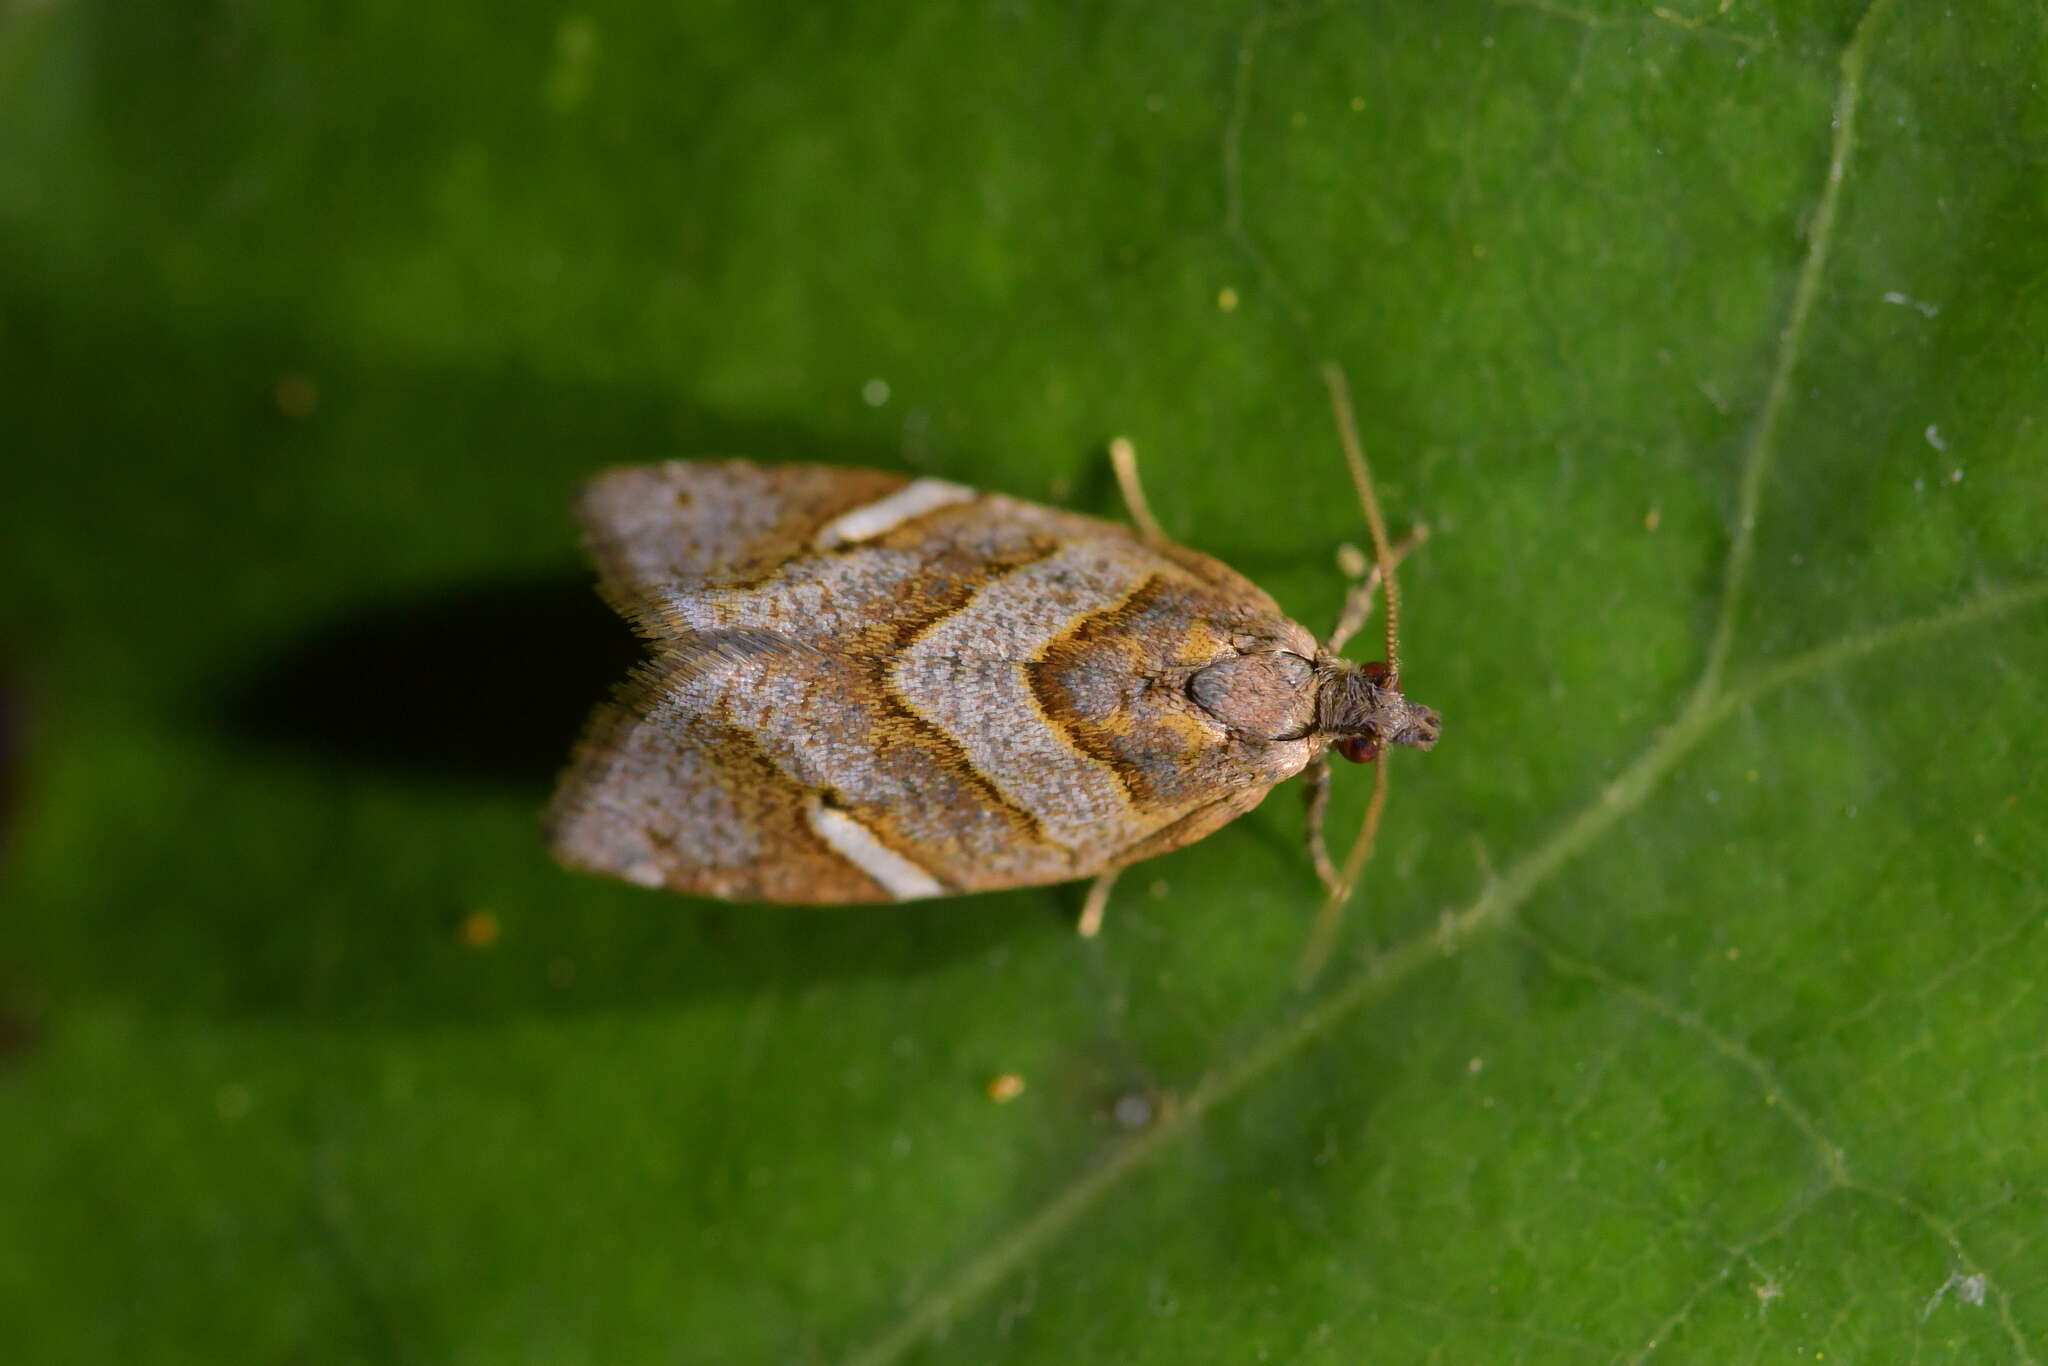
1361,480
1322,936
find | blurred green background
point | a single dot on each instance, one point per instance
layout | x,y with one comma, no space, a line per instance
1672,1022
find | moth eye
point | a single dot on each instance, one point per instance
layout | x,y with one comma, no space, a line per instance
1359,749
1379,673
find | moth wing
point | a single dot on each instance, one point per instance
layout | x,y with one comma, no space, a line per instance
1197,824
868,688
666,791
657,532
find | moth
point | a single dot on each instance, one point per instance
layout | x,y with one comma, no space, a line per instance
868,687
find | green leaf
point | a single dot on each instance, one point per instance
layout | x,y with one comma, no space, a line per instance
1689,1011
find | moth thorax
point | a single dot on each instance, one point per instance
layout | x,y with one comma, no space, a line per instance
1263,694
1360,707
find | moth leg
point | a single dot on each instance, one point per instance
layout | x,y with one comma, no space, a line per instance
1364,593
1317,794
1322,936
1124,460
1096,903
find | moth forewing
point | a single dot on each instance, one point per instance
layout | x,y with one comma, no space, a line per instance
869,688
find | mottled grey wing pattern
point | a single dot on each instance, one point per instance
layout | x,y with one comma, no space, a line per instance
867,688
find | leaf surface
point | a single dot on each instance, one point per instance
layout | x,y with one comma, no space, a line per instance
1689,1011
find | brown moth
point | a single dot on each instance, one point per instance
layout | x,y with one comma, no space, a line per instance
866,687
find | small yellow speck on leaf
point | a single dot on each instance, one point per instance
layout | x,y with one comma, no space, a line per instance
1004,1087
1226,299
479,930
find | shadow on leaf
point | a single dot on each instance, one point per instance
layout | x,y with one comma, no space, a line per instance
481,684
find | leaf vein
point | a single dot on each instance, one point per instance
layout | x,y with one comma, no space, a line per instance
1763,441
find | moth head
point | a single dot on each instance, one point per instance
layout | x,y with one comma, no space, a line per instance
1361,709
